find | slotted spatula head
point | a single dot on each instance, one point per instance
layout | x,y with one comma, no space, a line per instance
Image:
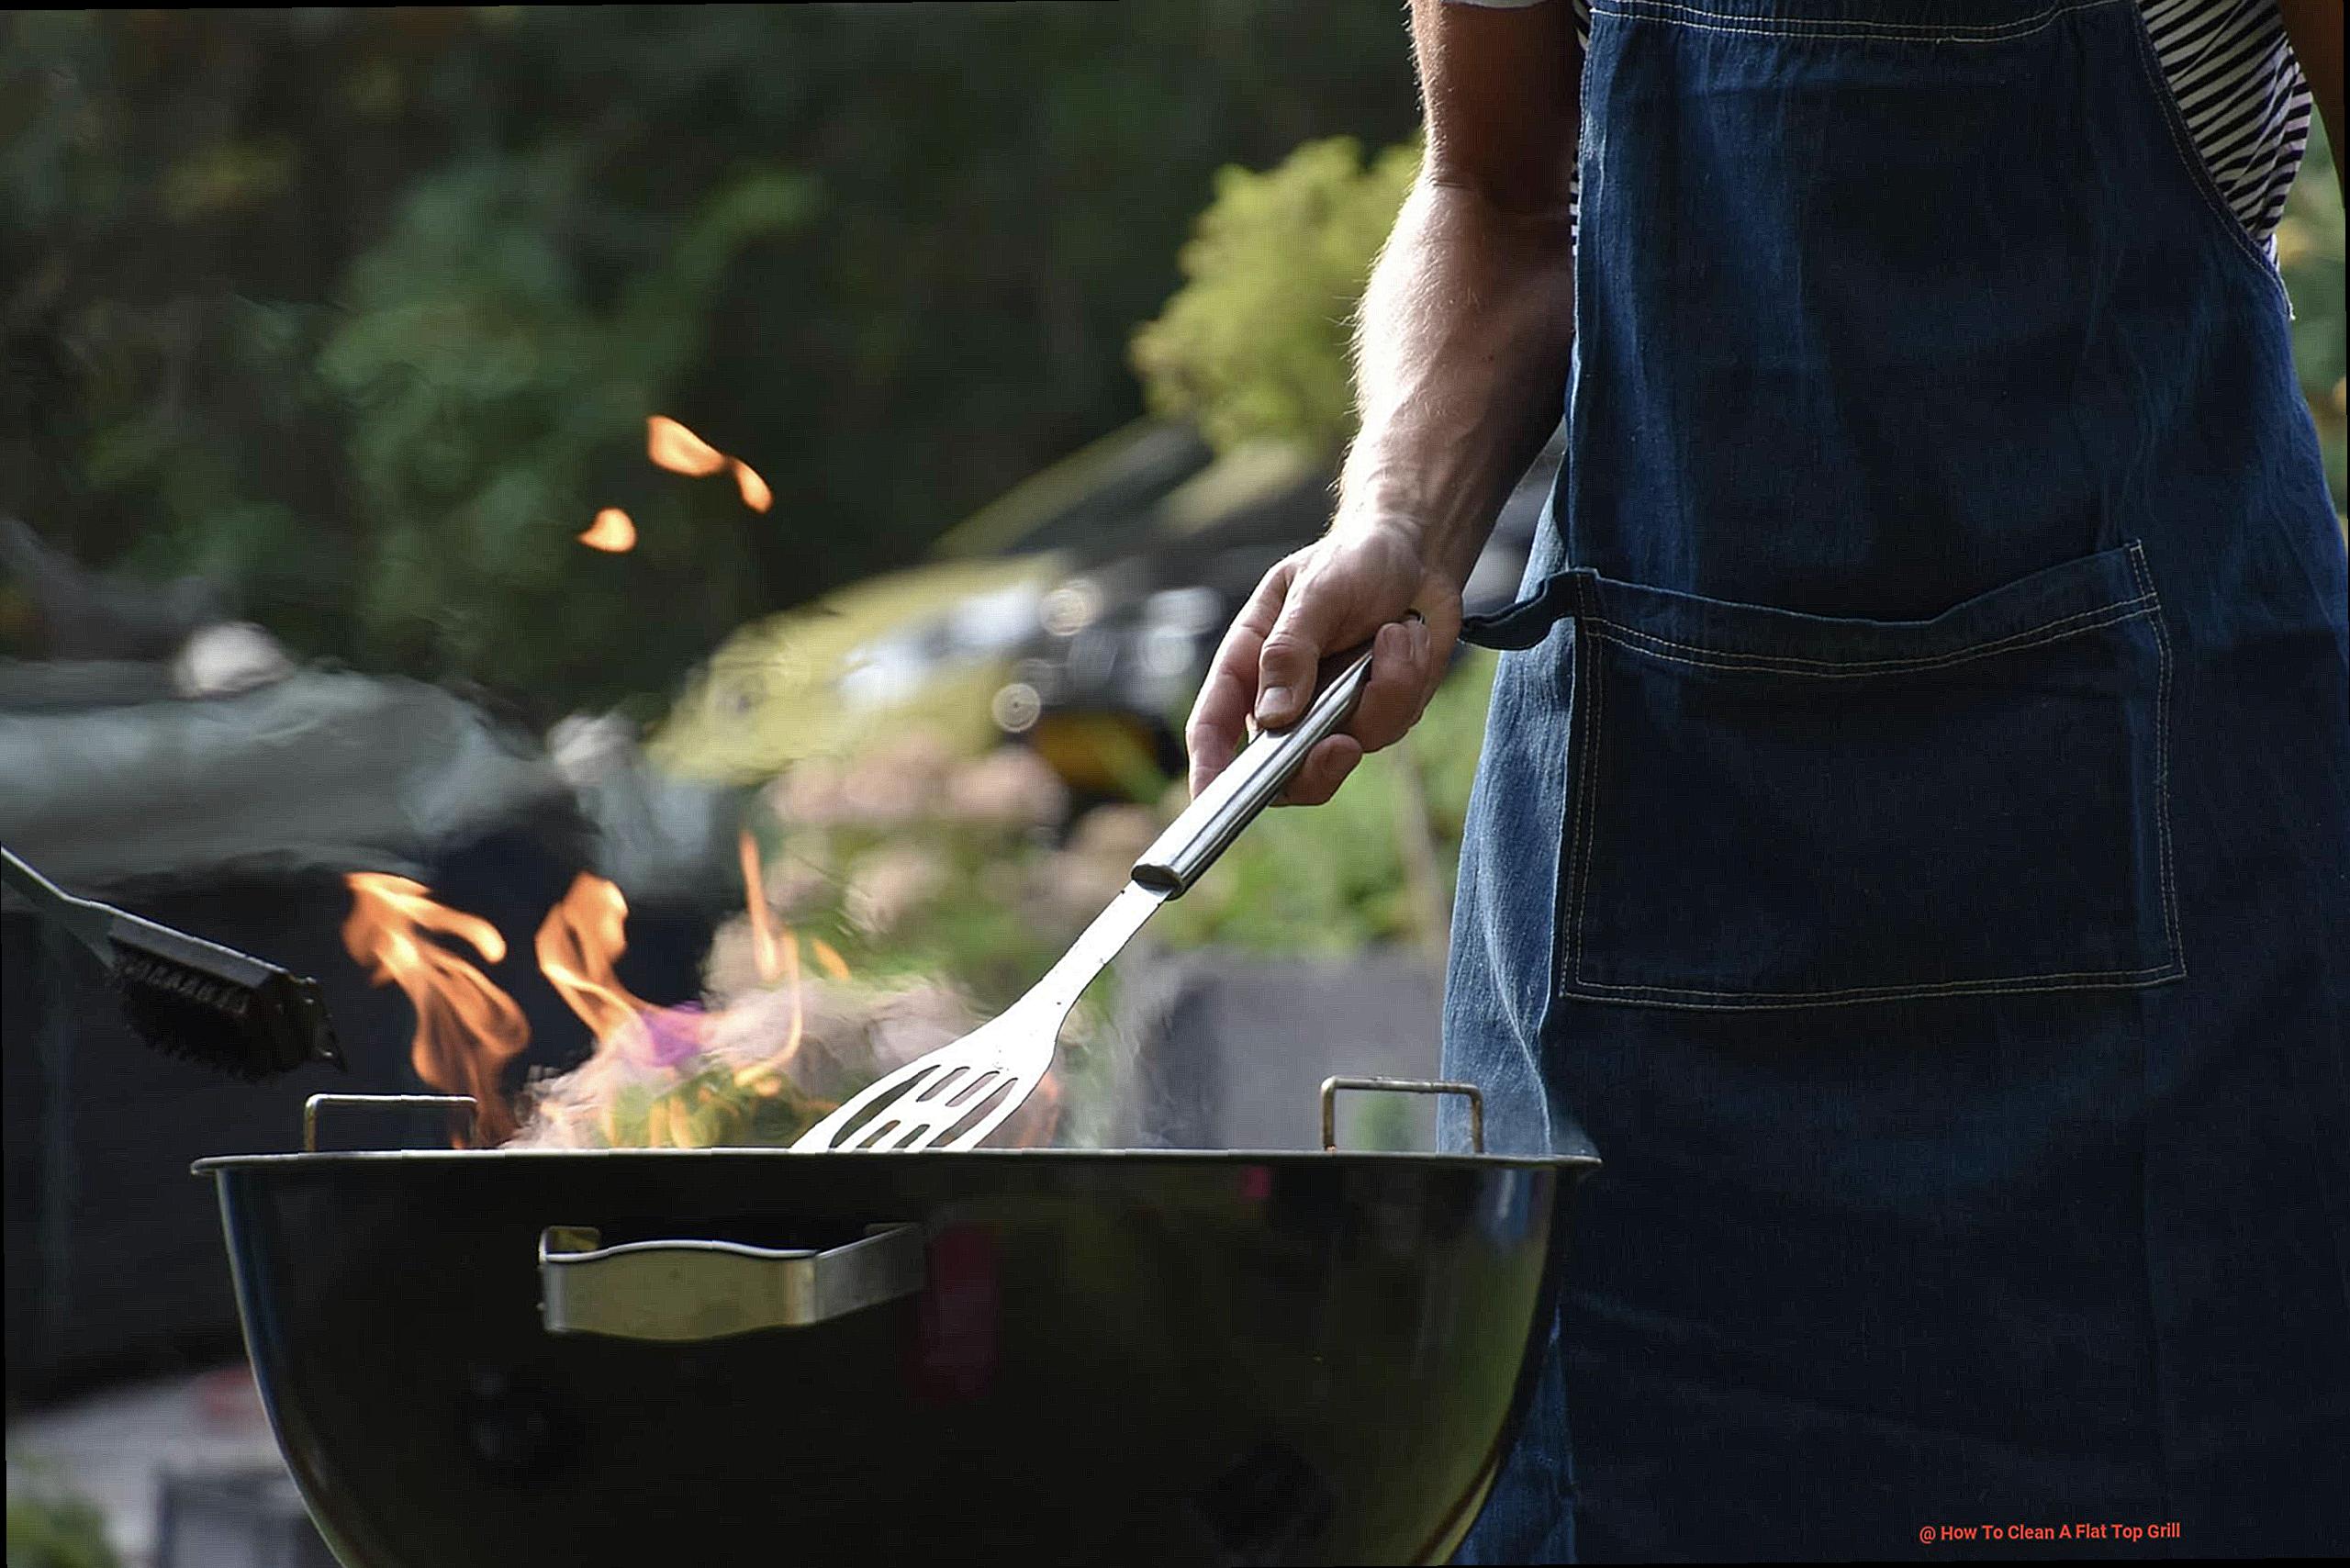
957,1095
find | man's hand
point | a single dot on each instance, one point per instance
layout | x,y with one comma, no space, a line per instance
1357,582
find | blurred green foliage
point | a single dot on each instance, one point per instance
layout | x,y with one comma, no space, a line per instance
363,309
494,397
2309,252
1254,346
51,1527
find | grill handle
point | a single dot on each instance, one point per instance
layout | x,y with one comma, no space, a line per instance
1239,794
680,1291
1469,1092
316,1102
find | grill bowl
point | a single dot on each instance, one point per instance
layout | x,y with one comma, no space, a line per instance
1118,1357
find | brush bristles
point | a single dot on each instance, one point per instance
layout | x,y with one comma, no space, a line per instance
216,1006
183,1025
144,972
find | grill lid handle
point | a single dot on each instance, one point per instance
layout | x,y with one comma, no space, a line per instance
682,1290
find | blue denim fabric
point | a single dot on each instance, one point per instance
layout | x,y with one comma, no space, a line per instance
1912,841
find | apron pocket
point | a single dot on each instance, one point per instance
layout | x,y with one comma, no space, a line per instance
1775,810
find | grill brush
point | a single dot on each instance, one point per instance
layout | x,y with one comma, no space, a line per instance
188,997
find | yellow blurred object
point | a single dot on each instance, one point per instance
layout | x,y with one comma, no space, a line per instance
775,692
1251,474
1096,751
2294,241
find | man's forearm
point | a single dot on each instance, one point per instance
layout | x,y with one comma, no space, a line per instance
1461,367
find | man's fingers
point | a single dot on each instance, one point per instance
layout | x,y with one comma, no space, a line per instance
1287,664
1218,719
1309,608
1400,679
1220,714
1326,768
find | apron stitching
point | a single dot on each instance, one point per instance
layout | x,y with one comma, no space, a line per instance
1747,1002
2161,759
1584,815
1955,32
1831,669
1913,987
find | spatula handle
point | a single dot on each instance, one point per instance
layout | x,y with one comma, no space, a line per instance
1255,780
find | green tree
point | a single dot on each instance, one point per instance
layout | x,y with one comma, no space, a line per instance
500,404
1254,346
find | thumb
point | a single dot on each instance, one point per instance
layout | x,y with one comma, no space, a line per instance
1289,662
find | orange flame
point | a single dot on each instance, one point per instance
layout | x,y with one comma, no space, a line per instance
577,945
828,958
672,446
777,955
755,494
466,1028
613,531
754,904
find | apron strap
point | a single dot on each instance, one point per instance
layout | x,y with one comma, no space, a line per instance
1558,597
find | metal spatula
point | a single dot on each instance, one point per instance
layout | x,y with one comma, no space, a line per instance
960,1092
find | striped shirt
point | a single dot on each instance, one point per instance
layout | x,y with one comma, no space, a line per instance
2232,75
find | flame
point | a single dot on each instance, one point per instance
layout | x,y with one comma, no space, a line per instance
777,956
672,446
613,531
754,902
755,494
576,948
466,1028
577,944
636,1042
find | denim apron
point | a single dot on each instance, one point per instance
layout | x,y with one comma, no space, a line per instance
1912,841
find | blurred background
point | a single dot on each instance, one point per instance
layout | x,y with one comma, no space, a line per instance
785,466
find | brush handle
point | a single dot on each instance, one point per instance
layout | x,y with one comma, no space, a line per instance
92,923
114,935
